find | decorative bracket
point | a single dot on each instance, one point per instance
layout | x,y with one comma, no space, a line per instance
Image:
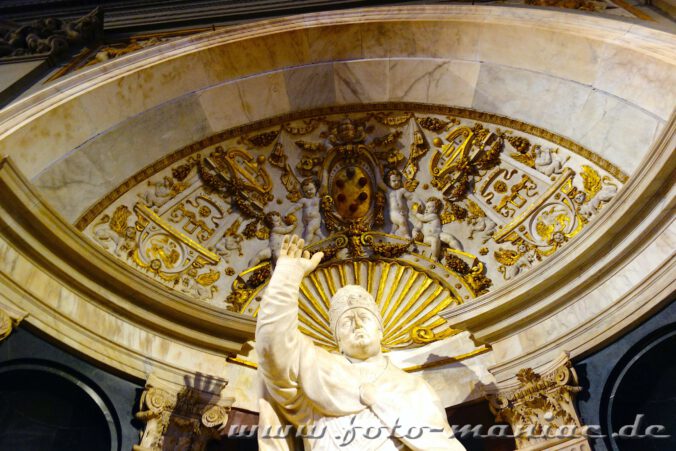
541,409
185,418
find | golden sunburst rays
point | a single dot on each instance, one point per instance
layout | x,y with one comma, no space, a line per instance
409,300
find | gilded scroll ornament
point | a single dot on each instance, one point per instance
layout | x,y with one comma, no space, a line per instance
498,199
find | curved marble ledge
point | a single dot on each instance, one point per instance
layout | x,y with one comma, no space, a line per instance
640,216
40,235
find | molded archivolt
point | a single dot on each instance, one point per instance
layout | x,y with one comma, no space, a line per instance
586,83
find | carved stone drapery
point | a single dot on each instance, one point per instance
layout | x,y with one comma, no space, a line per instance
541,410
182,420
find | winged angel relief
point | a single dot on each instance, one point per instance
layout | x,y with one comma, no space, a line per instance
458,204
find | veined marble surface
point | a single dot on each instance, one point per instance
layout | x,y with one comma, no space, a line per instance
610,126
606,84
628,61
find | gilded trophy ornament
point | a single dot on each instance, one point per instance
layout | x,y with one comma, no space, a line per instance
498,198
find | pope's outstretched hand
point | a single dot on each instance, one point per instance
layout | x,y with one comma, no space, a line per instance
292,248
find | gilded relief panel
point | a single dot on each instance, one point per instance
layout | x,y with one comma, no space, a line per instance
424,206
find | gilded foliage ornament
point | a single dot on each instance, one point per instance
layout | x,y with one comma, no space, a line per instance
494,199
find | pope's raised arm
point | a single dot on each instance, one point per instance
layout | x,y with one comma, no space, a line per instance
277,334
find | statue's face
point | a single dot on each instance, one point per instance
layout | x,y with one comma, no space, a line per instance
430,206
359,334
395,180
310,189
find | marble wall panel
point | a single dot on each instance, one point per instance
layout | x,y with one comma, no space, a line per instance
245,57
611,127
335,43
223,106
616,130
128,96
104,162
564,55
647,80
261,97
529,96
361,81
453,39
310,86
47,138
436,81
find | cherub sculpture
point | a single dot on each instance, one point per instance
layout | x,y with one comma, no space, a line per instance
309,206
398,199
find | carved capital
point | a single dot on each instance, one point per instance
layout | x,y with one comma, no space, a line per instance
182,417
541,408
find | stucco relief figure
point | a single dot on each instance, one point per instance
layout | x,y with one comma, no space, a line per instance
309,206
548,162
352,400
191,287
119,243
428,223
278,230
159,194
483,226
230,244
604,195
398,199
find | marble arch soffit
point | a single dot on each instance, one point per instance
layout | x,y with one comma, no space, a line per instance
427,206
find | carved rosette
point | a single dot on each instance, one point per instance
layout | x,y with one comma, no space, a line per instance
185,419
541,411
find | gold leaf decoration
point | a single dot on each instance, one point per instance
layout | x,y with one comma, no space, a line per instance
475,209
118,222
591,181
506,257
207,279
526,158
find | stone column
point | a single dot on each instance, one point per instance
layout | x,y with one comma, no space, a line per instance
182,419
541,408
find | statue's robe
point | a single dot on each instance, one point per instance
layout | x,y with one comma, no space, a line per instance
306,385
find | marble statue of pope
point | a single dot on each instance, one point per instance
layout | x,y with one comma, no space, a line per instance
352,400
